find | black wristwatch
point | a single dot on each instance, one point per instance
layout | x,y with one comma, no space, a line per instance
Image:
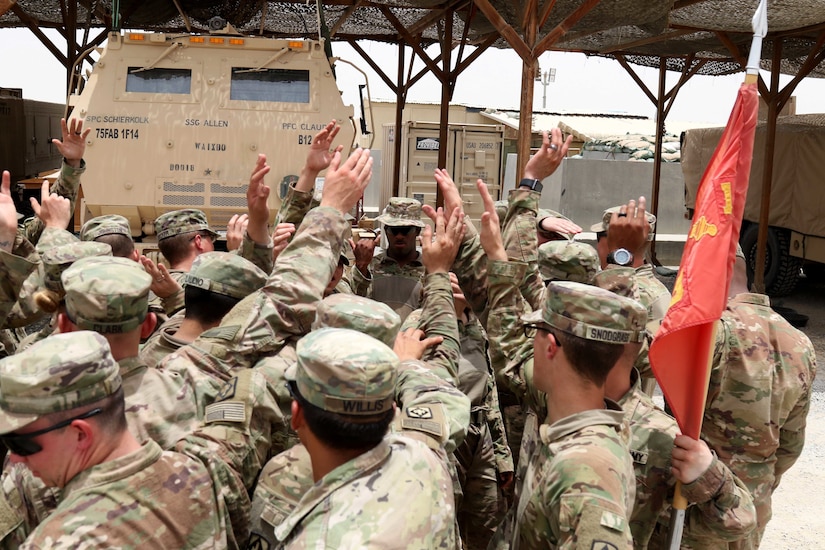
620,256
534,185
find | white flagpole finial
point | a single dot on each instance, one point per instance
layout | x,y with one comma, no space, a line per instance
760,29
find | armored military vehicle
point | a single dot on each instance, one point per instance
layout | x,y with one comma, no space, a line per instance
178,121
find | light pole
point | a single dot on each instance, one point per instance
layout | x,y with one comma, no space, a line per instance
548,77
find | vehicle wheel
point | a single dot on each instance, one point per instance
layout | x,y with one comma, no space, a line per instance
781,269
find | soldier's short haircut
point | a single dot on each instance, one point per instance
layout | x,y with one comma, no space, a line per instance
591,359
122,245
176,249
112,419
205,306
344,432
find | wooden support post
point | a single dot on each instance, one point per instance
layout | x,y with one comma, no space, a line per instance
528,78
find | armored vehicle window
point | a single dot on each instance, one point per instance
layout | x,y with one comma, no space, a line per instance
159,81
280,85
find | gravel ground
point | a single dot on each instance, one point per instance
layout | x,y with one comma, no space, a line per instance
797,520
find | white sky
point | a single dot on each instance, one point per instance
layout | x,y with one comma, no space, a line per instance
494,80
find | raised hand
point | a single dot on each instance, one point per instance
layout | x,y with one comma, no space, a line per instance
235,230
72,144
345,182
8,214
552,151
54,210
257,195
490,233
412,343
438,253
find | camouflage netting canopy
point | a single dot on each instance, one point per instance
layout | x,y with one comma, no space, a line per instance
649,33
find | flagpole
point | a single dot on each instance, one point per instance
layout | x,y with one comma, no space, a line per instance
679,504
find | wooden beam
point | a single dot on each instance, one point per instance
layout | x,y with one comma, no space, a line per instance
545,12
506,31
679,4
742,60
435,15
528,13
344,16
413,43
561,29
480,49
374,65
34,26
528,82
814,58
626,66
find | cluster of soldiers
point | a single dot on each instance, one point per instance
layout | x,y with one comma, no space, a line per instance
461,387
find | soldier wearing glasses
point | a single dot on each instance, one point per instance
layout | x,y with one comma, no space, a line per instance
62,416
392,276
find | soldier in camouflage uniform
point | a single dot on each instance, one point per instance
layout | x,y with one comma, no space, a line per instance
18,258
758,398
393,276
50,298
357,513
113,230
216,283
633,229
720,505
52,216
578,488
62,415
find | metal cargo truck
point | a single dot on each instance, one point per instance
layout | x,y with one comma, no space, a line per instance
796,233
28,128
178,120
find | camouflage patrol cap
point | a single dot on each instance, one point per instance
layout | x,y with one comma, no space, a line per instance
59,373
179,222
56,238
358,313
107,295
568,261
344,371
618,280
602,225
225,273
591,313
401,212
56,260
110,224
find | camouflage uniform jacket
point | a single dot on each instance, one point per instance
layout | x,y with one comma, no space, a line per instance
723,508
261,324
148,495
364,491
25,311
415,447
163,341
395,285
521,241
477,380
653,294
66,185
15,267
295,206
579,486
759,395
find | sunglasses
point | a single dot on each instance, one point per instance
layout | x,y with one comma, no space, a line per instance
400,230
24,444
531,329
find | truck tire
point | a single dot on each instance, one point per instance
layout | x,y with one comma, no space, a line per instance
781,269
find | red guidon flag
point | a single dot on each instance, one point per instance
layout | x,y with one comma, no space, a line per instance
680,352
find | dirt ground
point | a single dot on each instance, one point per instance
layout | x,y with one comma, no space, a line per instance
798,520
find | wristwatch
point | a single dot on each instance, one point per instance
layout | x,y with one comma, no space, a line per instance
534,185
620,256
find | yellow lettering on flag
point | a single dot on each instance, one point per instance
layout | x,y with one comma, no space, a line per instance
726,189
702,227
